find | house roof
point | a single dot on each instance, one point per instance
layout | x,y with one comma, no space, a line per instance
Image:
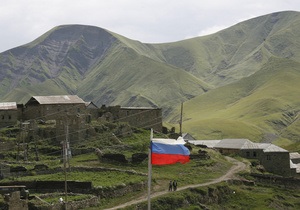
208,143
294,155
58,99
91,105
187,136
268,147
8,106
234,144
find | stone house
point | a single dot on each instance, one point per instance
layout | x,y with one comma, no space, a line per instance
68,111
273,158
92,110
9,114
276,160
51,107
141,117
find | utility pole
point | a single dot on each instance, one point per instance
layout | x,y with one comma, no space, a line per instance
180,123
24,135
36,150
65,157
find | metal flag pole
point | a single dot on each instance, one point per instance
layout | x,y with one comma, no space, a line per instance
149,171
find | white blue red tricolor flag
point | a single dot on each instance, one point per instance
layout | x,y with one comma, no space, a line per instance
169,151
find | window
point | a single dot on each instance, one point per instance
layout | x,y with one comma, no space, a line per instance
268,157
9,116
2,117
247,154
254,154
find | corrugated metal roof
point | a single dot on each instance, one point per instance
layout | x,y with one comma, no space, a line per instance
208,143
250,145
59,99
8,106
233,143
294,155
268,147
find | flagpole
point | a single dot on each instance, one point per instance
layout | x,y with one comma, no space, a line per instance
149,172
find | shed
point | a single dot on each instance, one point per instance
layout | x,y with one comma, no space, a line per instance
8,113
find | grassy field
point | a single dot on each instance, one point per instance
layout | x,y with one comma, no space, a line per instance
253,108
226,196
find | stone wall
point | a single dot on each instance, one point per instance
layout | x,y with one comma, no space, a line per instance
71,205
119,191
54,186
267,179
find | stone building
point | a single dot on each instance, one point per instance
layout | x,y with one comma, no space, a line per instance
51,107
8,114
68,111
276,160
273,158
141,117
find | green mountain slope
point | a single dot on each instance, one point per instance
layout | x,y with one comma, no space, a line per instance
238,51
239,82
97,65
262,107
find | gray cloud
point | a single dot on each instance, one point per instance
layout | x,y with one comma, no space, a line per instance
152,21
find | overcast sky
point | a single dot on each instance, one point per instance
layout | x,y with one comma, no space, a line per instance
149,21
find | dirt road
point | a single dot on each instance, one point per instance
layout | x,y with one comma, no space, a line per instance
237,167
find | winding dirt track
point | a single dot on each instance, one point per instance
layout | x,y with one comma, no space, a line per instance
237,167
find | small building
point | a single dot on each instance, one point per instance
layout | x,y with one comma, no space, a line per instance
8,114
295,157
276,160
51,107
90,105
273,158
187,136
68,111
92,110
140,117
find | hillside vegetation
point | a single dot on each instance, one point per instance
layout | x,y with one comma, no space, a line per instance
238,83
262,107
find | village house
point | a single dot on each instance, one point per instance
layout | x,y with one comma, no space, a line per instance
9,114
51,107
141,117
71,114
92,110
68,112
273,158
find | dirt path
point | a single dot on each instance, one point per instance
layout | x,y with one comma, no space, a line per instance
237,167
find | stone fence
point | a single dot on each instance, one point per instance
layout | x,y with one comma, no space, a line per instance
269,179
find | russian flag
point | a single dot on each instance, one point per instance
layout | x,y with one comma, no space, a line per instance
169,151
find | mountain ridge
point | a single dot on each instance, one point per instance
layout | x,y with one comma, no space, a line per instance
108,68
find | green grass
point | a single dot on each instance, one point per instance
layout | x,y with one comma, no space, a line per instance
225,196
252,108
